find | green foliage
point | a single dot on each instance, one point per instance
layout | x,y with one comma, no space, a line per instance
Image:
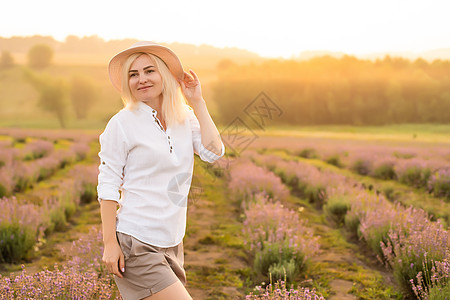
361,167
33,155
23,182
440,186
405,155
69,206
83,95
52,94
89,193
278,260
407,267
285,269
63,209
215,170
19,140
375,236
415,176
439,293
45,172
16,241
289,179
390,193
69,203
40,56
336,209
308,153
384,171
207,240
334,160
52,99
3,190
6,60
351,222
58,221
316,194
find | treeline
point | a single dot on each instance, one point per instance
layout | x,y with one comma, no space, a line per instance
87,44
198,56
348,90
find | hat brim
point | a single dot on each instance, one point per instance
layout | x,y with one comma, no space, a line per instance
165,54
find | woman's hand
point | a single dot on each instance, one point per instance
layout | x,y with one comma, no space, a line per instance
113,258
191,88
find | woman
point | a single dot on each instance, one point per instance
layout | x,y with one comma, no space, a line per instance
147,158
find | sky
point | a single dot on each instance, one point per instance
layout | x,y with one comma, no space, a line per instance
276,28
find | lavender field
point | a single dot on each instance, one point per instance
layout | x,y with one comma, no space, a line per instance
288,217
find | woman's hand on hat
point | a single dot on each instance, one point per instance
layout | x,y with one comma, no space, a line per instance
191,87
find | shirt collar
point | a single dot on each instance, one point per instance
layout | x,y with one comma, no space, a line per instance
147,108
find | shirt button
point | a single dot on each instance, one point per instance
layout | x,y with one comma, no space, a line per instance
103,162
153,111
168,137
170,147
170,150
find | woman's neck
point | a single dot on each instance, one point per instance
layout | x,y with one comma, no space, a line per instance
154,103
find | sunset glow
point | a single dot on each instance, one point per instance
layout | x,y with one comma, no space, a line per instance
269,28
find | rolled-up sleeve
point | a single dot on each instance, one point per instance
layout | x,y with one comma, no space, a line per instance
113,155
199,148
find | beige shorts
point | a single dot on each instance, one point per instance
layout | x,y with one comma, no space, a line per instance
148,269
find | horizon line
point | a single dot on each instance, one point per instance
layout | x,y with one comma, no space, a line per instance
298,55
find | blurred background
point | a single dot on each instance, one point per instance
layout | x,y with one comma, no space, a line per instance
338,111
321,62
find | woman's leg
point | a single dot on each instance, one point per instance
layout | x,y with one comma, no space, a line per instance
176,291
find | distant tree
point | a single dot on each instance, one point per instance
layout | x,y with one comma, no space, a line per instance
90,44
83,95
40,56
52,94
6,60
225,64
420,63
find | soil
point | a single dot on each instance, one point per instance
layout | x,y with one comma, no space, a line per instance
212,265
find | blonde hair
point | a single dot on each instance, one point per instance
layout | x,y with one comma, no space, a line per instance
174,104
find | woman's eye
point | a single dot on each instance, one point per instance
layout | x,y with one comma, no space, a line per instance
133,74
150,71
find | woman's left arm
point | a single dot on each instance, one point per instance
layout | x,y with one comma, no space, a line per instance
210,135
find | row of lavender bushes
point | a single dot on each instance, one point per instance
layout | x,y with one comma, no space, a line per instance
24,150
20,135
21,168
413,168
404,238
279,291
82,276
277,239
24,224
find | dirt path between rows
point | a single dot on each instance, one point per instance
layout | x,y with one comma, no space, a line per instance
213,254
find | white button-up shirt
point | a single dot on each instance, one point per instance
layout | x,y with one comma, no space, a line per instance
152,168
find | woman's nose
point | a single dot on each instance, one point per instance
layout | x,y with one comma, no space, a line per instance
143,78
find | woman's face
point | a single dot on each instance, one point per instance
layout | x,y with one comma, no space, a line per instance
145,80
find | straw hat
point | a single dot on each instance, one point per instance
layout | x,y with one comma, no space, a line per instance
167,55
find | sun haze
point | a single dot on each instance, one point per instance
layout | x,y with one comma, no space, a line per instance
273,29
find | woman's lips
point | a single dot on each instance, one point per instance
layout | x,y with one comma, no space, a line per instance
144,88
